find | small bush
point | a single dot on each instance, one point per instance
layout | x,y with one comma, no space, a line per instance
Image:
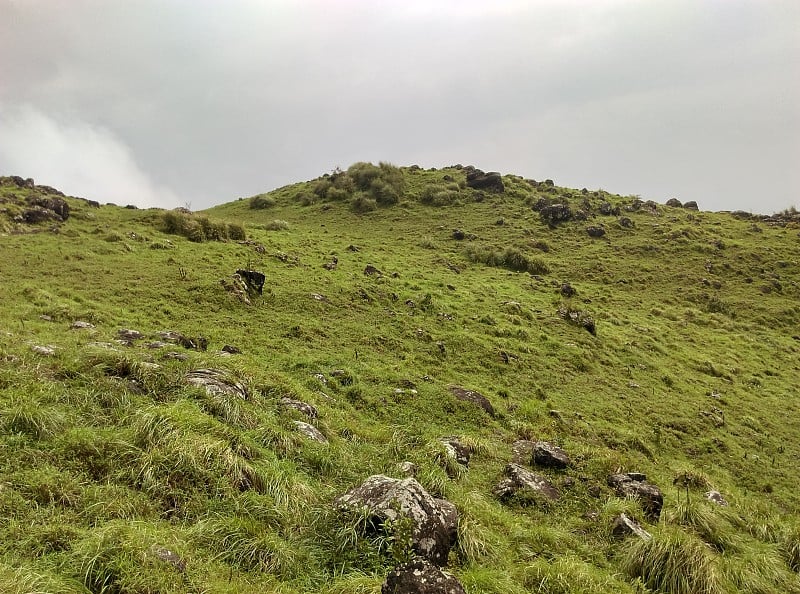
261,202
277,225
363,203
236,232
510,258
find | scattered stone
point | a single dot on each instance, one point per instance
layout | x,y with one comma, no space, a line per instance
370,270
238,287
519,480
45,351
102,345
320,378
318,297
491,181
307,409
81,325
579,318
691,205
176,356
158,344
46,318
408,469
595,231
459,234
384,498
253,279
231,349
550,456
567,290
522,451
716,497
353,248
472,396
310,432
332,264
457,450
217,383
625,526
420,577
634,484
554,214
608,210
625,222
674,203
168,556
128,335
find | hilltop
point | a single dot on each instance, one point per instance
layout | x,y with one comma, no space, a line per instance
577,391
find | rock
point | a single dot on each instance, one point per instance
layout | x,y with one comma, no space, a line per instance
595,231
176,356
519,480
716,497
475,397
37,214
554,214
310,432
691,205
231,349
625,222
217,383
567,290
102,345
58,206
550,456
608,210
634,484
491,181
579,318
168,556
457,450
370,270
46,351
158,344
522,450
674,203
46,318
81,325
408,469
624,526
334,262
238,287
128,335
459,234
420,577
435,521
253,279
298,405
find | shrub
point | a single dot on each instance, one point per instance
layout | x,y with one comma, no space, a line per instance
277,225
364,174
510,258
363,203
261,201
236,232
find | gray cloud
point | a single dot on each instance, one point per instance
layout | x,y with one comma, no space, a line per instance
210,101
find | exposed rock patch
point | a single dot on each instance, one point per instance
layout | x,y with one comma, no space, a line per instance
310,432
634,484
420,577
217,383
300,406
550,456
435,520
520,481
716,497
474,397
491,181
625,526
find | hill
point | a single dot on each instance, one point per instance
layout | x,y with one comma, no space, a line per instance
574,391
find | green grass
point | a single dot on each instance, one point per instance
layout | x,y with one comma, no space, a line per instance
110,452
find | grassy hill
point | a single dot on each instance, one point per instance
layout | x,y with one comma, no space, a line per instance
637,337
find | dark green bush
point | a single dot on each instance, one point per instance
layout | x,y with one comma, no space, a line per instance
363,203
510,258
236,232
261,202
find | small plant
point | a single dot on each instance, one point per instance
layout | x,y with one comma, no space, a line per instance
261,201
277,225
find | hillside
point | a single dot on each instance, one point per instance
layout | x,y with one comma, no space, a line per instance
517,347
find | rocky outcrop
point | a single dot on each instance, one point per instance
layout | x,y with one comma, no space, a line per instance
550,456
634,484
303,407
491,181
420,577
217,383
554,214
474,397
435,521
520,481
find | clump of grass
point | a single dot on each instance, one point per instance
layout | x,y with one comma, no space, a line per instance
277,225
791,548
510,258
673,561
570,575
33,419
261,201
27,580
199,229
701,517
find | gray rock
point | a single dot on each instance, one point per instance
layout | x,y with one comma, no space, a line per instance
457,450
46,351
158,344
716,497
624,526
128,335
420,577
435,521
595,231
522,450
310,432
634,484
472,396
408,469
81,325
674,203
518,480
176,356
691,205
298,405
168,556
491,181
550,456
217,383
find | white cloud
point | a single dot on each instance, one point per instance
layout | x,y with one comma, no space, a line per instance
76,157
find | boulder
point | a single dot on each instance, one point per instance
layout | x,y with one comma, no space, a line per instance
567,290
435,521
691,205
550,456
518,480
674,203
625,526
37,214
420,577
237,286
491,181
625,222
522,450
457,450
595,231
716,497
554,214
310,432
128,335
253,279
45,351
230,349
608,210
407,468
472,396
370,270
217,383
300,406
634,484
58,206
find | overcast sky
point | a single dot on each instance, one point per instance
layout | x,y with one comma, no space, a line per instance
165,103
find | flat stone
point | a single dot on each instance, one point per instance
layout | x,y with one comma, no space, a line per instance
518,479
45,351
81,325
550,456
625,526
217,383
474,397
716,497
310,432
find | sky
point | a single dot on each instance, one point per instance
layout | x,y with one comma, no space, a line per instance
197,102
